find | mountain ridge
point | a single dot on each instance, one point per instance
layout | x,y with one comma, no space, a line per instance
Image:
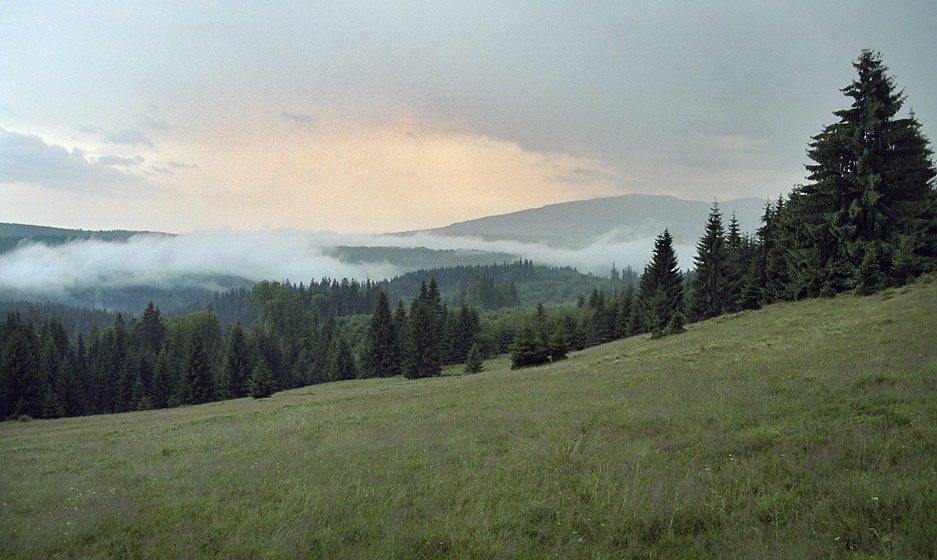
578,224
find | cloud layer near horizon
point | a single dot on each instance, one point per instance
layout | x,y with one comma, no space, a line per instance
37,271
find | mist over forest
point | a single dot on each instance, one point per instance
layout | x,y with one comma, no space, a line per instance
82,268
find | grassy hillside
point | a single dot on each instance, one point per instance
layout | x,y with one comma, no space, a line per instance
804,430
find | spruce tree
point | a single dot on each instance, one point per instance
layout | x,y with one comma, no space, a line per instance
740,253
531,347
238,364
710,284
473,363
197,387
871,184
150,330
422,344
660,291
341,364
382,350
261,383
22,386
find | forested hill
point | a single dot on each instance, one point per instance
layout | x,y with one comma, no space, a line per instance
12,235
520,283
628,217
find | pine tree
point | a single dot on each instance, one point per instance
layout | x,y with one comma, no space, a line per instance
422,343
382,350
531,347
22,386
238,364
660,292
150,330
197,383
740,253
261,383
473,363
341,365
557,344
869,276
751,295
871,184
165,382
709,287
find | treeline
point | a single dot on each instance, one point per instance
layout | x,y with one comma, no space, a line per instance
155,362
486,287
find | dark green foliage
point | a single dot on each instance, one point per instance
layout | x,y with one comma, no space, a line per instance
869,276
531,347
488,294
341,363
238,364
473,363
22,387
261,383
871,185
422,342
150,330
540,341
709,288
462,327
675,326
752,291
197,385
383,352
557,344
660,292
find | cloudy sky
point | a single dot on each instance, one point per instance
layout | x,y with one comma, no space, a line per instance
368,117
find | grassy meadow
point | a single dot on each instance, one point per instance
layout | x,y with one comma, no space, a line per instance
804,430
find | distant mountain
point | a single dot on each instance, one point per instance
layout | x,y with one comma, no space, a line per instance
579,224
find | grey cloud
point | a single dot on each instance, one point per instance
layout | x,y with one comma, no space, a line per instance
157,125
26,158
296,117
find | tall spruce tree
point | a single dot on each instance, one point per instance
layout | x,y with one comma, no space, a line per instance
237,365
709,288
660,291
871,189
197,384
22,386
382,350
261,383
341,362
422,343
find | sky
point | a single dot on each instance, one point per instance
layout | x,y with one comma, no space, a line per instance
370,117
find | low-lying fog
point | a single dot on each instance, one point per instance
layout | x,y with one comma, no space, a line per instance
35,270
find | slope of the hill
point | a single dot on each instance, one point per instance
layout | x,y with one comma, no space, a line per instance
614,219
805,430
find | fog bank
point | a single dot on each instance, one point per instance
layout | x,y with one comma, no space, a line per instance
211,259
